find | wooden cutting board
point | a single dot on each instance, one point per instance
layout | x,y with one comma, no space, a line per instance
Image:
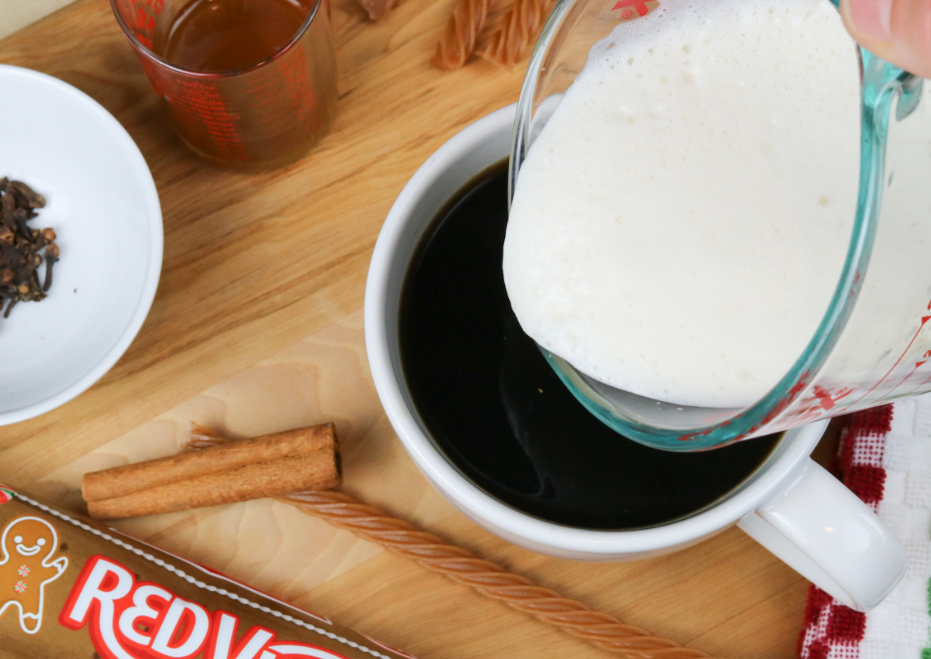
257,327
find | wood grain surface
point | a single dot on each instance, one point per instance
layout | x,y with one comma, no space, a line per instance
257,327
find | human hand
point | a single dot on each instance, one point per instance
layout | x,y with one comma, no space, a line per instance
899,31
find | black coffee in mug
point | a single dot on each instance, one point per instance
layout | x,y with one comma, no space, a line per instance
499,413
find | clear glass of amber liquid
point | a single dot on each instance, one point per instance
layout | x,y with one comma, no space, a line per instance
247,83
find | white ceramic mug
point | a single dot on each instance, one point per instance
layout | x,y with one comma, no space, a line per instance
790,505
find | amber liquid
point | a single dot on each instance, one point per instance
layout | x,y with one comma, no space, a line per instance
270,93
224,35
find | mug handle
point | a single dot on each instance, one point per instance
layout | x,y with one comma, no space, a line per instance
823,531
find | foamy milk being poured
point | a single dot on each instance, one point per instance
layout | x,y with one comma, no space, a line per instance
679,226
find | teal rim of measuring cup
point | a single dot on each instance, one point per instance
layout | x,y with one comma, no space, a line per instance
881,83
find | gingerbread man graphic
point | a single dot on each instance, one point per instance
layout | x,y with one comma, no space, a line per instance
26,568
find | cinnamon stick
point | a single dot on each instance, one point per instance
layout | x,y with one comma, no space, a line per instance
461,34
122,481
378,10
316,470
518,31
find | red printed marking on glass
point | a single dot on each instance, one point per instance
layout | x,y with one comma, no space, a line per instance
828,400
919,386
205,102
924,321
640,6
907,376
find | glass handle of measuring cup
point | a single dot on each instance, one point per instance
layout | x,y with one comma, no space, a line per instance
828,535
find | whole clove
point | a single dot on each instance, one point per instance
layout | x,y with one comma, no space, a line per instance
23,249
51,258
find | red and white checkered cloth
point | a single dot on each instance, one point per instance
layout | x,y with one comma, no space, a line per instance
884,458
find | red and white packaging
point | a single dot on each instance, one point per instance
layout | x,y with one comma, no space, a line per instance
71,587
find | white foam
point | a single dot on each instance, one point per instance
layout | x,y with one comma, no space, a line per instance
679,226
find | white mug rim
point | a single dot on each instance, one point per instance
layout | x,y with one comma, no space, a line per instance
798,443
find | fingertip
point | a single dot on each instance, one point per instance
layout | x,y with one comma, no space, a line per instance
869,19
863,22
911,29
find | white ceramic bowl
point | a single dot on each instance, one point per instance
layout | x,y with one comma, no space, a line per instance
103,205
790,505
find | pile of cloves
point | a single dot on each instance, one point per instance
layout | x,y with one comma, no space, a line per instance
21,246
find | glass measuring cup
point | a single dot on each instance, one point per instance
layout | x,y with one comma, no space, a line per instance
873,344
262,115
